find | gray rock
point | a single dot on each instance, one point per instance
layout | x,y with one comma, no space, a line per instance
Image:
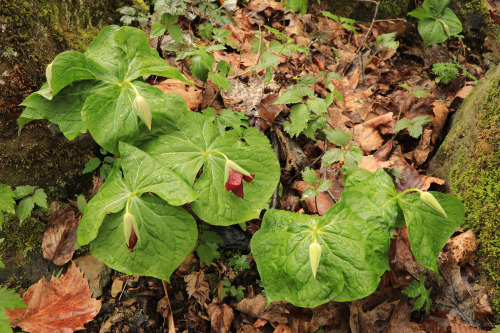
97,273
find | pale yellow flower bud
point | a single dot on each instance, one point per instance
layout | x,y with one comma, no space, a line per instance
48,74
314,256
141,105
430,201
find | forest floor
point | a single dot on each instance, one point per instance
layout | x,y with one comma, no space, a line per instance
379,87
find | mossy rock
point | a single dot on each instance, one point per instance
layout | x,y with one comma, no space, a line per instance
32,33
364,11
469,161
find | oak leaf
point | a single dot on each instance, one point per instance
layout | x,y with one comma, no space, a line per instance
62,305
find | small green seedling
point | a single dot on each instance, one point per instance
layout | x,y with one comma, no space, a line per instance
239,263
207,247
417,91
448,71
228,289
27,197
417,288
311,178
414,126
105,165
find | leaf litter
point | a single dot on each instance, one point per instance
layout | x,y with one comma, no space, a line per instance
374,101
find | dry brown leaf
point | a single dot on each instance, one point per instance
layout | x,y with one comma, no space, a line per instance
428,180
372,164
462,248
282,328
62,305
400,319
252,306
367,134
441,114
197,287
323,201
424,147
244,97
221,316
260,5
458,326
59,239
191,94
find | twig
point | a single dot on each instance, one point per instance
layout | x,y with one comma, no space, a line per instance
274,143
171,326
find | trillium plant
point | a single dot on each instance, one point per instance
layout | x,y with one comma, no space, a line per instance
170,156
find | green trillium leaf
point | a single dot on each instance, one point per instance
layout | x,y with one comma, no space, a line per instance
197,145
429,230
141,174
95,90
354,235
168,235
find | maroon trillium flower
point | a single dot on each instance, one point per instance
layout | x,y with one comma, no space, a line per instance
233,179
132,241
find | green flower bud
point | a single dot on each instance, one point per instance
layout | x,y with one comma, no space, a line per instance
430,201
235,167
141,105
48,74
130,230
314,256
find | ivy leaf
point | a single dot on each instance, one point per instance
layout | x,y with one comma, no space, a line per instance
291,96
317,105
10,300
220,80
332,156
91,165
198,70
337,137
6,199
324,185
25,207
194,145
40,198
141,174
176,33
23,190
355,244
428,230
309,193
208,252
211,237
157,29
299,116
309,176
168,235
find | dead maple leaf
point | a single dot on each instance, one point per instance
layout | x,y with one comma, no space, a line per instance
221,316
59,239
62,305
197,287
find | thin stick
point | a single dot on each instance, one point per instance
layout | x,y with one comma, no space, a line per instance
171,326
256,60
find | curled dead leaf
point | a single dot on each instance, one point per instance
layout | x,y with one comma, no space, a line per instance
221,316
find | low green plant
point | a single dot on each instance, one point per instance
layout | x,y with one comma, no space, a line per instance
414,125
26,196
344,22
239,262
136,13
417,289
351,154
228,289
448,71
9,300
342,255
95,162
207,248
310,177
436,22
417,91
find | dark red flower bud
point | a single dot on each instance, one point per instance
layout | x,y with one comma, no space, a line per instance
234,183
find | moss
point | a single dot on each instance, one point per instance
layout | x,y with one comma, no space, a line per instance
21,239
469,161
476,22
